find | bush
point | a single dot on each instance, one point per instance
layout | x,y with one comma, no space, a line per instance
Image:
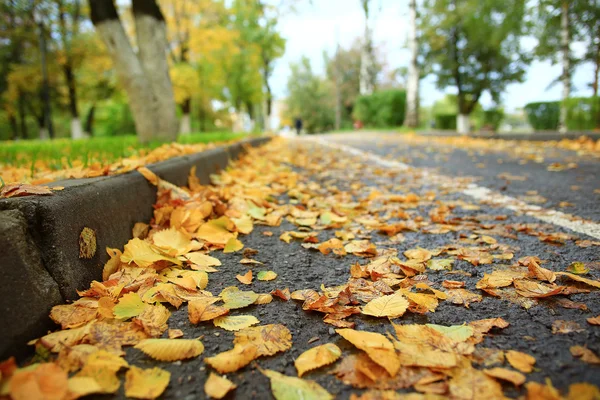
445,121
582,113
493,117
384,109
543,115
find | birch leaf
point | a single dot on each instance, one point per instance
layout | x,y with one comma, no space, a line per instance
146,383
393,305
317,357
292,388
235,323
217,386
171,349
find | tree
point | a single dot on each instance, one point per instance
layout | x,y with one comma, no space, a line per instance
145,75
559,24
475,45
368,75
309,98
590,20
411,119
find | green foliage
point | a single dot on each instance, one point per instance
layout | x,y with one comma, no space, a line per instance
543,115
310,98
493,118
582,113
475,45
445,121
382,109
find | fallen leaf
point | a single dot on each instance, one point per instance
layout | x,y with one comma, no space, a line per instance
317,357
583,391
40,381
175,333
146,383
377,347
204,310
235,323
171,349
202,260
130,305
246,279
594,320
233,245
470,383
217,231
563,327
585,354
153,319
217,386
282,294
536,290
419,254
578,278
234,298
234,359
514,377
440,264
578,268
463,297
391,306
266,275
453,284
23,189
520,361
291,388
72,315
143,254
268,339
539,391
172,241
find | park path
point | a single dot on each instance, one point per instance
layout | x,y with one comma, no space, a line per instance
357,222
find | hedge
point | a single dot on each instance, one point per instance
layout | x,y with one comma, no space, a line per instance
493,117
581,114
382,109
445,121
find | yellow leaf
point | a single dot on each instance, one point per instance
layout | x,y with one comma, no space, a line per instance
378,348
72,315
130,305
514,377
586,354
81,386
264,298
420,355
458,333
427,301
234,298
203,260
317,357
268,339
235,323
217,386
172,242
203,309
233,245
292,388
266,275
521,361
146,383
246,279
234,359
171,349
578,278
243,224
39,381
105,377
392,306
418,254
470,383
216,231
463,297
143,254
583,391
154,319
533,289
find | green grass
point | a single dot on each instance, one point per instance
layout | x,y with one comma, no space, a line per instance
58,153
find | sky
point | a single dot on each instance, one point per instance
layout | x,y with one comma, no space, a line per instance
313,28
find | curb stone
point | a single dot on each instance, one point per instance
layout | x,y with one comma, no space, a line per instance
40,237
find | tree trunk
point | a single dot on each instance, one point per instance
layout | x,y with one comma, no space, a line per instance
411,119
45,93
151,33
463,125
185,125
22,117
151,121
43,130
566,64
89,121
13,126
366,59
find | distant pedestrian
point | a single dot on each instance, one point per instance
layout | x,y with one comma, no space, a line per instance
298,125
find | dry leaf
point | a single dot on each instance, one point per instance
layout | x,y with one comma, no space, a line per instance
463,297
233,245
268,339
203,309
266,275
594,320
585,354
563,327
217,386
246,279
171,349
391,306
289,387
146,383
520,361
235,323
43,381
377,347
514,377
234,298
234,359
578,278
317,357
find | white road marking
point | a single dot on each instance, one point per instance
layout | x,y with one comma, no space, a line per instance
480,193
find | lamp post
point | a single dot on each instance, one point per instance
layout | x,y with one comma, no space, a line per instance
38,17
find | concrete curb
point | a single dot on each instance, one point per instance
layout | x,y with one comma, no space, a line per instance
39,238
535,136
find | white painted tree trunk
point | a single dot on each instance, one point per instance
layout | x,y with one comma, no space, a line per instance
76,129
44,134
566,64
411,118
185,125
152,43
366,62
131,76
463,126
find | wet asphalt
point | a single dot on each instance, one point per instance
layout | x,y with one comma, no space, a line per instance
530,330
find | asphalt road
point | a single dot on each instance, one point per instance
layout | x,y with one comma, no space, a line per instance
329,172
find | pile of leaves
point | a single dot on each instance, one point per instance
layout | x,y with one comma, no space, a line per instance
168,263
